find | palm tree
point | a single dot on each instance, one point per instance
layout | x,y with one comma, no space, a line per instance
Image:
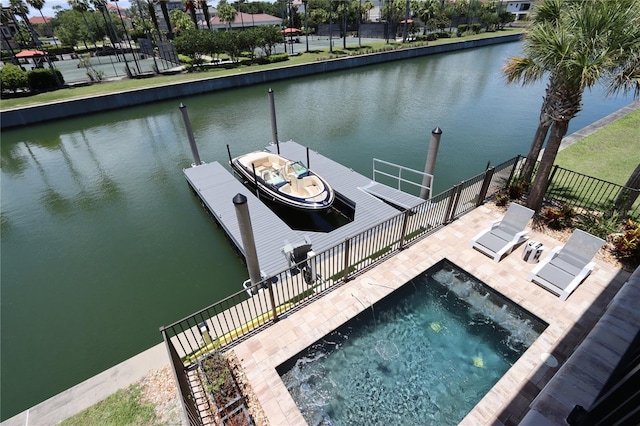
585,42
226,12
205,12
167,20
82,7
38,5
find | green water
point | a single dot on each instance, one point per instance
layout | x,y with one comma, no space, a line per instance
103,241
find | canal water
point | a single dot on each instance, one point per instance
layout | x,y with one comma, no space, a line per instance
103,241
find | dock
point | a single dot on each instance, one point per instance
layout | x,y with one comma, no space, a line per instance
216,186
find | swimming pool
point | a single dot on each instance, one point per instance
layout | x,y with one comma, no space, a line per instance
426,354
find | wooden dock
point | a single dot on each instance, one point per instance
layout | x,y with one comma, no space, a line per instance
216,186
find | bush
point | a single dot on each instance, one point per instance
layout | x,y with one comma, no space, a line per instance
517,189
600,225
626,247
280,57
43,79
558,218
462,28
432,37
13,78
501,199
476,28
443,34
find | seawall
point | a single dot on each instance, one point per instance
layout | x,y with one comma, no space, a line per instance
24,116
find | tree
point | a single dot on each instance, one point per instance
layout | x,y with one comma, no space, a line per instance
627,197
205,12
38,5
576,43
180,21
167,20
13,78
226,12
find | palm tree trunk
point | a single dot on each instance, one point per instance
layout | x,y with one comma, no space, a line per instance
627,197
205,11
536,196
154,18
538,139
165,15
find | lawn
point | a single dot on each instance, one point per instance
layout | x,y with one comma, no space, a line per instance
125,407
612,153
313,56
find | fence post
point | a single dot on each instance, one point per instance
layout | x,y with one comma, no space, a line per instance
272,299
405,221
551,176
453,203
513,171
449,204
346,260
488,175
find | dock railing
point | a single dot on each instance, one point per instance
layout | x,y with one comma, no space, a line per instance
226,323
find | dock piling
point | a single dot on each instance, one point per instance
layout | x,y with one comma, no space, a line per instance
427,180
274,126
192,139
248,241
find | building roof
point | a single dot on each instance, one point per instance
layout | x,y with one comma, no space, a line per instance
38,20
247,20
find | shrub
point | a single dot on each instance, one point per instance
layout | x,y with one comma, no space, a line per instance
184,59
13,78
280,57
558,218
43,79
476,28
626,247
432,37
463,28
600,225
444,34
517,189
501,199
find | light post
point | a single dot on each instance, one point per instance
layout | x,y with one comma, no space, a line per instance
148,34
306,23
330,27
359,23
126,35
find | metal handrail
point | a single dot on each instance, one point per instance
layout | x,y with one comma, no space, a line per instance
399,177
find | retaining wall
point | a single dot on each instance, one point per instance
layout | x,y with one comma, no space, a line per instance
46,112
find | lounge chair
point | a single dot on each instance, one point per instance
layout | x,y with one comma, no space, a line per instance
504,234
565,267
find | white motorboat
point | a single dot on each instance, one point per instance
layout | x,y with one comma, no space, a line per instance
286,182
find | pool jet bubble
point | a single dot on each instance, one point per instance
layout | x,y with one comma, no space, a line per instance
478,362
436,327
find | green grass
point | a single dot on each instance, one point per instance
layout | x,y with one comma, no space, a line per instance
313,56
122,408
612,153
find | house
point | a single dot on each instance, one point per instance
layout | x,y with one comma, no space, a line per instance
520,8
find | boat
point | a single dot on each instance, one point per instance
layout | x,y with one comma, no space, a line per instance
286,182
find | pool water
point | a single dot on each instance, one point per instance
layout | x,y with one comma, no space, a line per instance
426,354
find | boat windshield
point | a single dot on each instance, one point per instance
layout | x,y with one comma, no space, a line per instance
298,168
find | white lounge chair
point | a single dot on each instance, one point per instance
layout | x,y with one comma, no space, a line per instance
504,234
565,267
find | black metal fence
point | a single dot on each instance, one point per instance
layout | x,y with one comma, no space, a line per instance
235,318
592,194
